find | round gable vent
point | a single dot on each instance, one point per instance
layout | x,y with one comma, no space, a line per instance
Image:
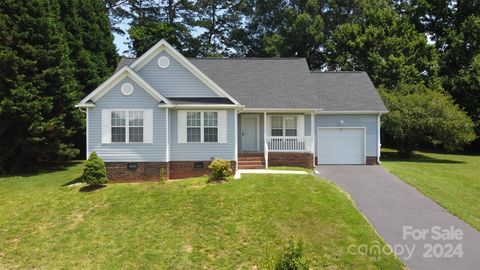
127,89
163,62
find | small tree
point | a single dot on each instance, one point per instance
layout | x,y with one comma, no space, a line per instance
418,115
220,169
94,173
292,257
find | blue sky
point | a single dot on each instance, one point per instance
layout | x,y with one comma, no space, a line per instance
121,40
120,43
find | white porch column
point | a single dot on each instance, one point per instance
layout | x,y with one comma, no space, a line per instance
265,150
312,134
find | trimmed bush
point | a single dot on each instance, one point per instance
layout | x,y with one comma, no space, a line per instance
292,257
220,169
94,173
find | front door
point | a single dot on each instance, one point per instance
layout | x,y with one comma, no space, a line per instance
249,133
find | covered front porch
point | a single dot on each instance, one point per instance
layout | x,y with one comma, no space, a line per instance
275,138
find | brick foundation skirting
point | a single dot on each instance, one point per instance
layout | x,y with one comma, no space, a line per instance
144,171
156,171
371,161
186,169
290,159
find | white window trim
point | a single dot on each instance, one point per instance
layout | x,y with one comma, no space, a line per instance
202,126
284,129
127,126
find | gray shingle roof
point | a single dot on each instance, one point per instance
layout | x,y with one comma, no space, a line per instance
288,83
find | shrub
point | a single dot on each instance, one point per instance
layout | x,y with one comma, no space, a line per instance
418,115
94,173
292,257
219,169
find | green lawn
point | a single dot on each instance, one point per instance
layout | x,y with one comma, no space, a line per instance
290,168
186,224
452,180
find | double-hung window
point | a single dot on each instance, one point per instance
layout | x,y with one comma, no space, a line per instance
194,126
210,127
202,126
284,126
135,126
119,125
277,126
290,126
126,130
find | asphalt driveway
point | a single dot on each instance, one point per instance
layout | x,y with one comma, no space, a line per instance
421,233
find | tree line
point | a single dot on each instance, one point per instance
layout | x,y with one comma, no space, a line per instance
423,56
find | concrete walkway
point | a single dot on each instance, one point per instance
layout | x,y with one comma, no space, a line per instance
239,172
410,222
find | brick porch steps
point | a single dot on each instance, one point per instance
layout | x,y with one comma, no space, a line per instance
251,161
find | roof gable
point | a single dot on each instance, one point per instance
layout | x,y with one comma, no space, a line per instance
118,76
114,98
163,46
174,80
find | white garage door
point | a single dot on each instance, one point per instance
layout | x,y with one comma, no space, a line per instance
341,146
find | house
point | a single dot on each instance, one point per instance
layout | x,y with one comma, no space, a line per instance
165,114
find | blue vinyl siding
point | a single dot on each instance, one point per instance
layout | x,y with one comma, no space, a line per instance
114,99
369,121
174,81
202,151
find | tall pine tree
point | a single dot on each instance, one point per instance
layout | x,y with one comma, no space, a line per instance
92,51
90,41
38,89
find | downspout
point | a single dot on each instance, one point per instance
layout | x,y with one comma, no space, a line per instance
236,139
312,134
86,129
265,145
378,138
167,135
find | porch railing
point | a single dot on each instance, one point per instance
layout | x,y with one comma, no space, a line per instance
290,144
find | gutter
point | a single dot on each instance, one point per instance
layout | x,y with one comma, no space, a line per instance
202,106
85,105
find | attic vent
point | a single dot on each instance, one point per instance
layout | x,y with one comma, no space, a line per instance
127,89
163,62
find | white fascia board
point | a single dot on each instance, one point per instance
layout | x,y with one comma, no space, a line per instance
282,110
107,85
351,112
163,45
201,106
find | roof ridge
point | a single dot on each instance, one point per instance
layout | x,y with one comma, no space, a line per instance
247,58
234,58
340,71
